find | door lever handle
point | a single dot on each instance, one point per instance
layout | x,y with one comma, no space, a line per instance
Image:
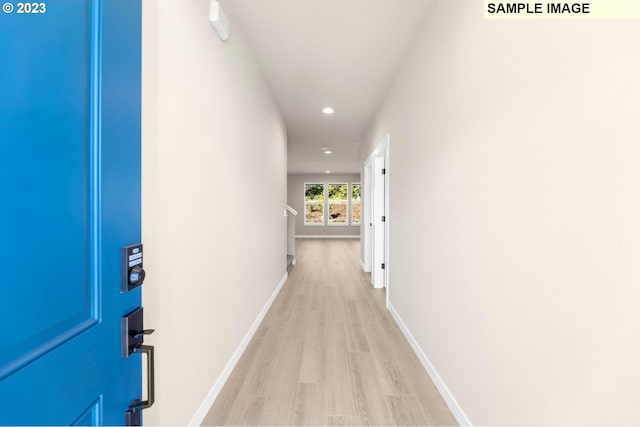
144,332
151,388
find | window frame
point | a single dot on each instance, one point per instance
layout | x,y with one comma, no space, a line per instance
347,223
354,224
323,203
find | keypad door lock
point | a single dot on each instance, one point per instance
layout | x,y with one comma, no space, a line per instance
133,273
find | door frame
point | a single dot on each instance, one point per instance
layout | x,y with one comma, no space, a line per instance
380,152
366,223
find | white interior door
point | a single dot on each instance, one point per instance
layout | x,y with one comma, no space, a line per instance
379,223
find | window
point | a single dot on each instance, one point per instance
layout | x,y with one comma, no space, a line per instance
332,204
338,204
355,203
314,204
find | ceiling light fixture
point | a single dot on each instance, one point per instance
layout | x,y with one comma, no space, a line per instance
328,110
327,171
328,152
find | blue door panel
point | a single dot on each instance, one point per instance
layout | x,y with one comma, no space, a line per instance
51,391
69,200
40,109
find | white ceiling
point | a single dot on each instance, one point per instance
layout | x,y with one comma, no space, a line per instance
317,53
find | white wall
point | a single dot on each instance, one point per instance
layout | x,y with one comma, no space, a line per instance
295,197
515,213
214,193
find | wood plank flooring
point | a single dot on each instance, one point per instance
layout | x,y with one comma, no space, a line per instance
329,353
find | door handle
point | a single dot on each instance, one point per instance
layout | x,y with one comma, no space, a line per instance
133,333
143,333
151,388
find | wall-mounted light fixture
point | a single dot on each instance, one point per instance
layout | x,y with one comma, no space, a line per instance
218,20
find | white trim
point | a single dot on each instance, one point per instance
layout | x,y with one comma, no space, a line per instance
378,210
355,236
293,211
365,215
207,403
362,265
451,402
370,245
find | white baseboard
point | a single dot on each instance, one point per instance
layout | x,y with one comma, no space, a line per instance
364,268
451,402
328,237
207,403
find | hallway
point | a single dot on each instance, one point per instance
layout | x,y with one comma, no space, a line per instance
329,353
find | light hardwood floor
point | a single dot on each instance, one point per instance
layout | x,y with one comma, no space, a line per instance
329,353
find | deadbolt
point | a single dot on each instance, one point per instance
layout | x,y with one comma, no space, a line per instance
136,276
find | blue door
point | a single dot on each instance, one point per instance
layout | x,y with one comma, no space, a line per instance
69,201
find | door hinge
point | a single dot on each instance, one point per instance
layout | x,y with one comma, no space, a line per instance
383,266
384,219
384,171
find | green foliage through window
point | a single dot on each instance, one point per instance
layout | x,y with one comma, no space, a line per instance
355,191
338,191
314,192
355,204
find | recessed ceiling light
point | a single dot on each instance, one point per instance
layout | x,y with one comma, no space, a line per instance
328,110
328,152
327,171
